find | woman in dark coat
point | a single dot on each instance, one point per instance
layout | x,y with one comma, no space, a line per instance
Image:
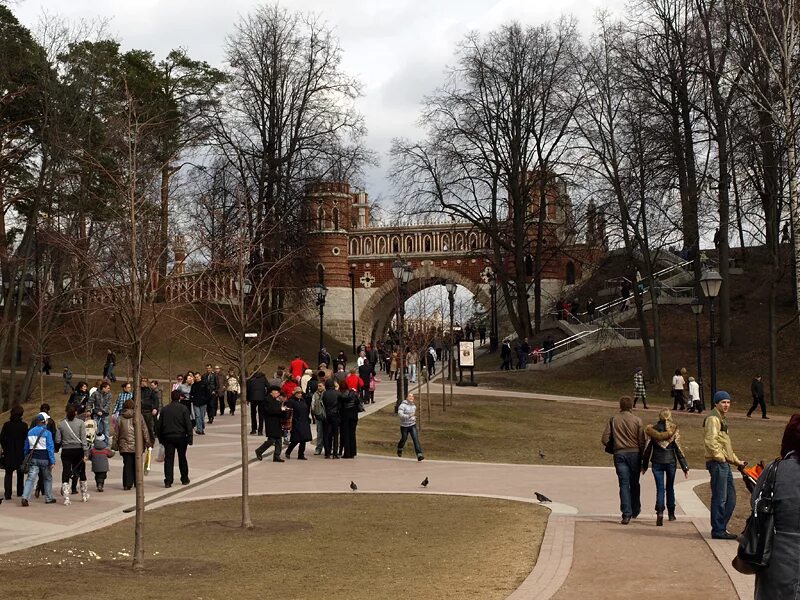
301,424
780,580
12,441
349,416
80,397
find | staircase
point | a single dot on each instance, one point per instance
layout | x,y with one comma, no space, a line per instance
584,338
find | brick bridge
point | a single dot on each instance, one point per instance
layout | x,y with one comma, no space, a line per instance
348,250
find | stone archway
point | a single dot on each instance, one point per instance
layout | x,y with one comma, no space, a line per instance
381,307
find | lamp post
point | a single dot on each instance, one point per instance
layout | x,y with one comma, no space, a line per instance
352,274
403,274
451,297
322,291
710,283
697,309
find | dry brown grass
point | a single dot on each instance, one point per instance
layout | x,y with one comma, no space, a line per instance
354,547
512,430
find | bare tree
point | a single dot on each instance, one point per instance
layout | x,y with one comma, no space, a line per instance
497,136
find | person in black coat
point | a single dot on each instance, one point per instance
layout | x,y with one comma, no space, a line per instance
301,423
256,396
365,372
349,418
174,431
199,398
331,399
273,408
12,441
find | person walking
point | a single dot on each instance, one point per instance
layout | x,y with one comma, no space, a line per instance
349,417
80,397
719,458
219,388
150,405
125,394
209,380
780,579
663,452
695,403
549,349
301,424
624,434
232,389
12,443
99,408
108,367
318,416
99,455
757,392
273,411
200,398
639,388
256,397
590,308
505,356
71,434
324,358
394,365
331,400
407,412
41,446
678,383
430,361
125,442
174,431
412,358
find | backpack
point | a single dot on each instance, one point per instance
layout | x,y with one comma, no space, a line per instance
318,408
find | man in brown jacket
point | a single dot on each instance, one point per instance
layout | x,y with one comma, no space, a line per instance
627,432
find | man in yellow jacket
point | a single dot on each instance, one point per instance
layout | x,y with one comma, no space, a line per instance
719,458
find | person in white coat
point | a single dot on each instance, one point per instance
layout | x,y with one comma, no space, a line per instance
407,411
695,404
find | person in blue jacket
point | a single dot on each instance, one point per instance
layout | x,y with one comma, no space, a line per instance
42,461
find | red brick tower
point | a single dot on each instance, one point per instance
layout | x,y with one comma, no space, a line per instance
329,205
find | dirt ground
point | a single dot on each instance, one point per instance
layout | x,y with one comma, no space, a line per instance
348,546
513,430
657,563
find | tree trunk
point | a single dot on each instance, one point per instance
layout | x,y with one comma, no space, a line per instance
138,543
247,522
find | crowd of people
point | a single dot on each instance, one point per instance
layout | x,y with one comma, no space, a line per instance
98,425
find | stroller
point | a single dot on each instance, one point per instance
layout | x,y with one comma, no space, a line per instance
751,475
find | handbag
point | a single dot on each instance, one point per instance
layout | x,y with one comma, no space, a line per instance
610,443
755,548
26,464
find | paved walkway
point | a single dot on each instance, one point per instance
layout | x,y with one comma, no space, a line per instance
582,538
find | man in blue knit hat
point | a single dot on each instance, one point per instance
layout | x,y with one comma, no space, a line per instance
719,458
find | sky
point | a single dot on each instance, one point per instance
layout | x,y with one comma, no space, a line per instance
398,49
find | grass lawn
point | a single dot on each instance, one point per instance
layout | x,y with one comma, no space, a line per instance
513,430
334,546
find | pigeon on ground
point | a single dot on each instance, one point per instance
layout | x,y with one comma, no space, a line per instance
353,486
542,497
425,482
541,454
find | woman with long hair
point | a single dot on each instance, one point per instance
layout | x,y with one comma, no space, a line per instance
664,453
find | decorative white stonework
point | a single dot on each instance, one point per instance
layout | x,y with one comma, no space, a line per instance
335,251
486,274
367,279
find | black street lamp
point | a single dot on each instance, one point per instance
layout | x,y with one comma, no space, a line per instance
710,283
352,274
322,291
403,274
697,309
451,297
